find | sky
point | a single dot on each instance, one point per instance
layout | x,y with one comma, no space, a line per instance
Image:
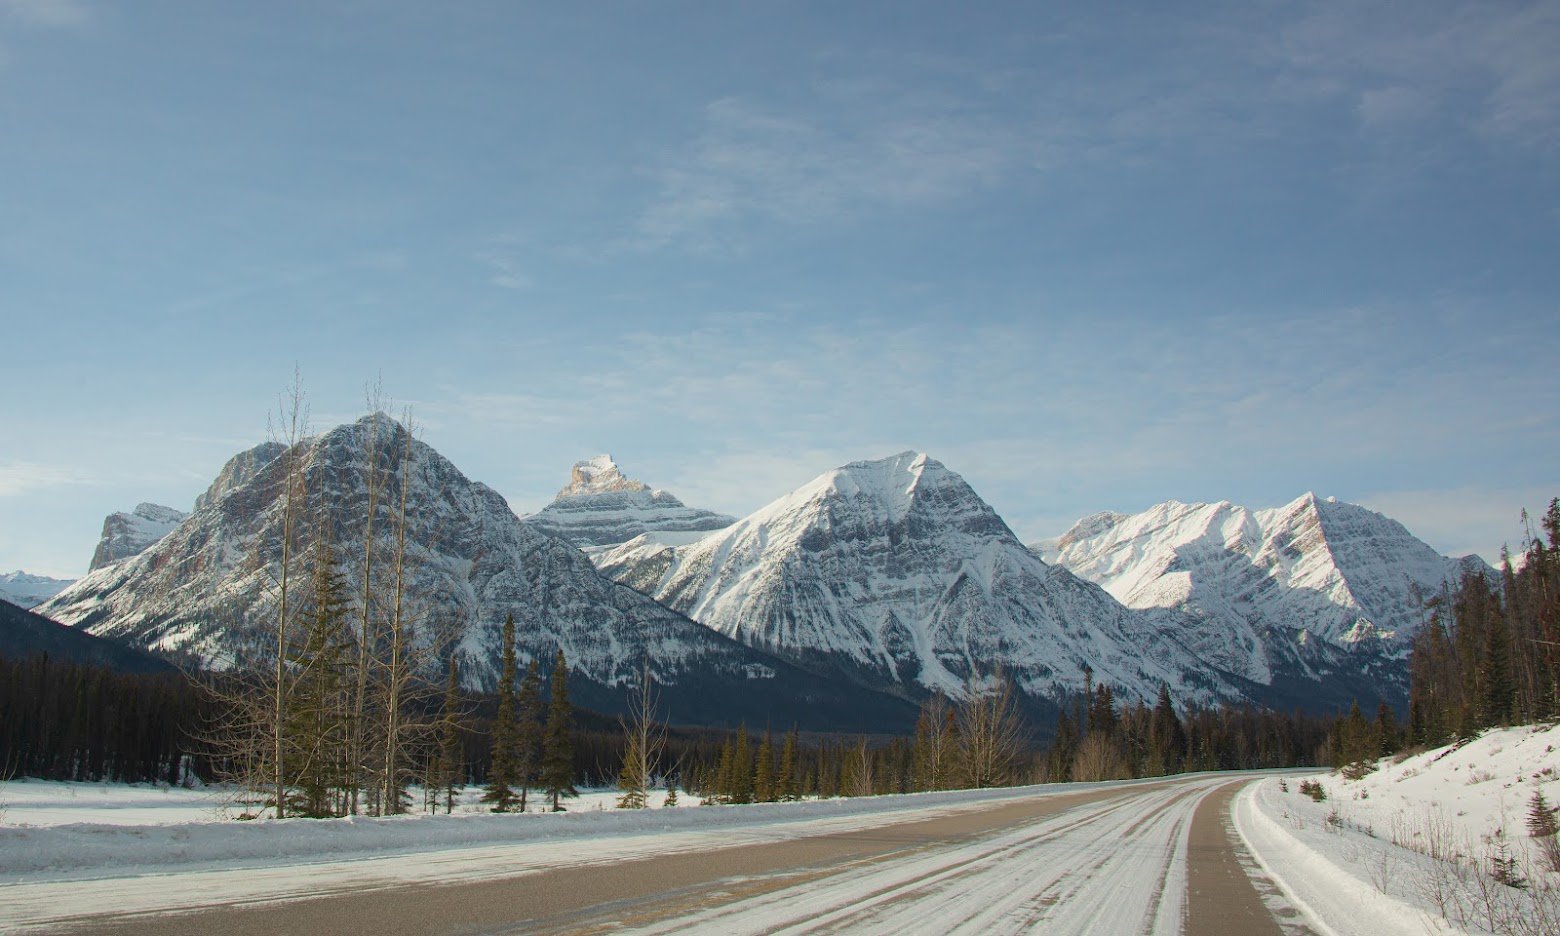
1091,257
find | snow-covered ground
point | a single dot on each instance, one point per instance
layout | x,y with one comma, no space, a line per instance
1407,849
47,803
1412,847
48,873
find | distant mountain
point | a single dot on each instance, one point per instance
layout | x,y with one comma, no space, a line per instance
127,534
207,586
1335,570
601,507
24,590
1315,577
25,634
896,574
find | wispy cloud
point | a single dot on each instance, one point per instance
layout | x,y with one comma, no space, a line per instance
1489,67
18,477
502,258
753,163
45,12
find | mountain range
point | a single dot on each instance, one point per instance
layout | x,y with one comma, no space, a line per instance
27,590
205,589
837,605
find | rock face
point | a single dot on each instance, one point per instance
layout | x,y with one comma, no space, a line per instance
207,589
601,507
25,591
1313,577
239,469
128,534
896,574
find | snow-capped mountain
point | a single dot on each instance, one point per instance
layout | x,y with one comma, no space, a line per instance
601,507
1333,570
25,591
202,589
127,534
895,573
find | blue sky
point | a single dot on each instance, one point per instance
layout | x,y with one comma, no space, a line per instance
1089,256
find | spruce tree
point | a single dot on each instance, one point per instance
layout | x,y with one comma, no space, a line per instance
503,771
742,768
787,784
528,731
764,772
450,766
558,738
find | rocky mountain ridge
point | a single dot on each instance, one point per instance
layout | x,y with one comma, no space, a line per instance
26,590
1331,569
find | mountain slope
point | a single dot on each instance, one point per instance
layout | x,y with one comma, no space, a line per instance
126,534
601,507
202,589
895,573
24,634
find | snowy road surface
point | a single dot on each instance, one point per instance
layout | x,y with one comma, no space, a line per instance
1145,858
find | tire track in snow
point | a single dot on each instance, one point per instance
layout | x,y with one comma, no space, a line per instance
1116,866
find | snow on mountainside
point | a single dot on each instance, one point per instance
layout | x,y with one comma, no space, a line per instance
601,507
1334,570
126,534
25,591
896,573
473,562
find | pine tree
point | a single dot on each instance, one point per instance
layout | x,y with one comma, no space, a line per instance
723,786
764,771
317,728
787,783
741,789
528,731
1544,829
558,737
449,757
504,770
1388,738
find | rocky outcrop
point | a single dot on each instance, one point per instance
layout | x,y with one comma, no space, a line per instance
128,534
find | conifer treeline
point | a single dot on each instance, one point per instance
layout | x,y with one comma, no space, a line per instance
1094,742
68,721
1490,656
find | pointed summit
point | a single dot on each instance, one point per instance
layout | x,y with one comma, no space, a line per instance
598,475
894,573
603,507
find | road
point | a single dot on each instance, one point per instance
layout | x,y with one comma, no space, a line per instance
1155,858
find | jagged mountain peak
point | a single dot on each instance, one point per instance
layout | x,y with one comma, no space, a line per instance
128,534
598,475
603,507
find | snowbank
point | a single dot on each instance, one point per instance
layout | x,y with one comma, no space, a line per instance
1413,847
